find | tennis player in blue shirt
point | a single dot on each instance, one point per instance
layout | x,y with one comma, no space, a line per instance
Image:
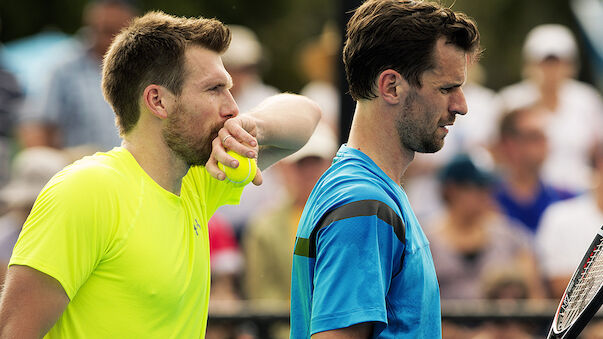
362,267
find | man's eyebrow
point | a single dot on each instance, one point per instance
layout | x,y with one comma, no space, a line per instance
454,84
214,81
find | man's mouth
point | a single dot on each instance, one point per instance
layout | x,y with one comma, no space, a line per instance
445,126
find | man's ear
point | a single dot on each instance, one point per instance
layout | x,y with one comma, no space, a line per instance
392,86
156,98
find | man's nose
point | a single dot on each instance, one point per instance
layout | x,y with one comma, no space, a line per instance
458,104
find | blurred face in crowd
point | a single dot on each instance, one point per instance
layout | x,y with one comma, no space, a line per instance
468,200
551,72
201,109
528,146
104,22
427,111
302,175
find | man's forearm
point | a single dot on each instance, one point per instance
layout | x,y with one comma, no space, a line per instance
285,123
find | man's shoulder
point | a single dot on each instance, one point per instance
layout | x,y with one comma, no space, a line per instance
342,197
347,186
99,172
351,172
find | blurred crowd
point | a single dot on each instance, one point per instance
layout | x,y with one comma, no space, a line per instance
509,204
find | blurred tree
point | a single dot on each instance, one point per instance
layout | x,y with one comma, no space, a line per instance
26,17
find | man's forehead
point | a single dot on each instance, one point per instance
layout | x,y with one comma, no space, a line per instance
205,65
450,63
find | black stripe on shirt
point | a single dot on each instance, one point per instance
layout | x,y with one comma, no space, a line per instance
307,247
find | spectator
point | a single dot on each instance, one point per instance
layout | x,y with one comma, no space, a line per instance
243,61
521,151
470,240
570,225
31,169
226,260
227,263
10,99
271,233
71,111
317,63
507,286
575,108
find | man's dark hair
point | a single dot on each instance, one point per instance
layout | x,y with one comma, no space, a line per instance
400,35
151,51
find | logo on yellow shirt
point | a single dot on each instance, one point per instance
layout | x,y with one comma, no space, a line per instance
197,227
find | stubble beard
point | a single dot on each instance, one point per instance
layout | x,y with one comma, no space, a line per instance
413,128
194,148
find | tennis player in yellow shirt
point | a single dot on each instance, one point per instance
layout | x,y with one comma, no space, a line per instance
116,245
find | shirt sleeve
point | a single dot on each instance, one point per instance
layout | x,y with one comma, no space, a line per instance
358,251
214,192
69,229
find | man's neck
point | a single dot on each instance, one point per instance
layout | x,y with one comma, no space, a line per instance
158,161
374,133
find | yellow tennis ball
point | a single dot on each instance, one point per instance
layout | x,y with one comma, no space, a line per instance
243,174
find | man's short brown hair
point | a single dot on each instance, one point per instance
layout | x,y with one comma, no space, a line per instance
400,35
151,51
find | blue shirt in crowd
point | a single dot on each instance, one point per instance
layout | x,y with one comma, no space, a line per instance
529,211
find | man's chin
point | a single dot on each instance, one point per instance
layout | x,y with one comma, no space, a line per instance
431,147
192,158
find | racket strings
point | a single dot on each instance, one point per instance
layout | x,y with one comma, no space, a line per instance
587,285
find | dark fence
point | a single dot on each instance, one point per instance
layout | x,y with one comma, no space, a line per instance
261,316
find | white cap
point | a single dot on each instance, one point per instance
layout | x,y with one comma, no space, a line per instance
32,168
550,40
245,48
323,144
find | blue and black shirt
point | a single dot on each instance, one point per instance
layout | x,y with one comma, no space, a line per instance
361,256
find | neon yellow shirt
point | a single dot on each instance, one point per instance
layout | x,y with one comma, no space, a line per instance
132,257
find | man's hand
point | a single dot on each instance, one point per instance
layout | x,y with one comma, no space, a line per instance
239,135
281,125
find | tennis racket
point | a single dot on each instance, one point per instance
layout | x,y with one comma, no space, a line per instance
583,295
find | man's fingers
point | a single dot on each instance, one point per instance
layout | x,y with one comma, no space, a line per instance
218,153
243,130
257,180
213,170
238,141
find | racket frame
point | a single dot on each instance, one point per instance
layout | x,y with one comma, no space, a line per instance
584,316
